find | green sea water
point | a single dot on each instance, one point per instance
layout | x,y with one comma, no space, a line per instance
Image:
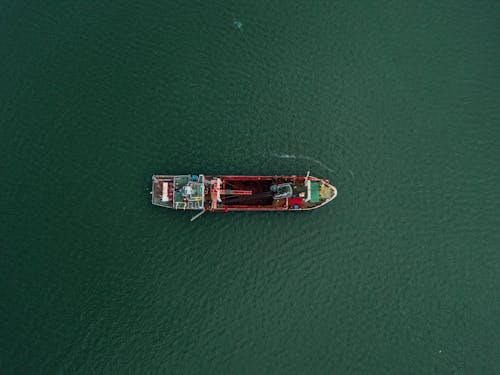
397,103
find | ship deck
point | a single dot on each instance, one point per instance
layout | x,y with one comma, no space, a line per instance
232,193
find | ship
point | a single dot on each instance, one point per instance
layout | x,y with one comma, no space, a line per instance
223,193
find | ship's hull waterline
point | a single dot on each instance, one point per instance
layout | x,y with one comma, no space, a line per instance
227,193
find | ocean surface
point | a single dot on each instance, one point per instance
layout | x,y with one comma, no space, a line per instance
397,103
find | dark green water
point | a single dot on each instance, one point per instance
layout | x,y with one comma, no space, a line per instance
397,104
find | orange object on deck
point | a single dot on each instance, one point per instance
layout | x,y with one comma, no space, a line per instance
213,197
237,192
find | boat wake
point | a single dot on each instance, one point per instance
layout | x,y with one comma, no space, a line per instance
303,157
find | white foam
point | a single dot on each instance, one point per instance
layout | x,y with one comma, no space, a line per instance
304,157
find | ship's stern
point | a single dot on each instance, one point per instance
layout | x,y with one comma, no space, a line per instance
184,192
